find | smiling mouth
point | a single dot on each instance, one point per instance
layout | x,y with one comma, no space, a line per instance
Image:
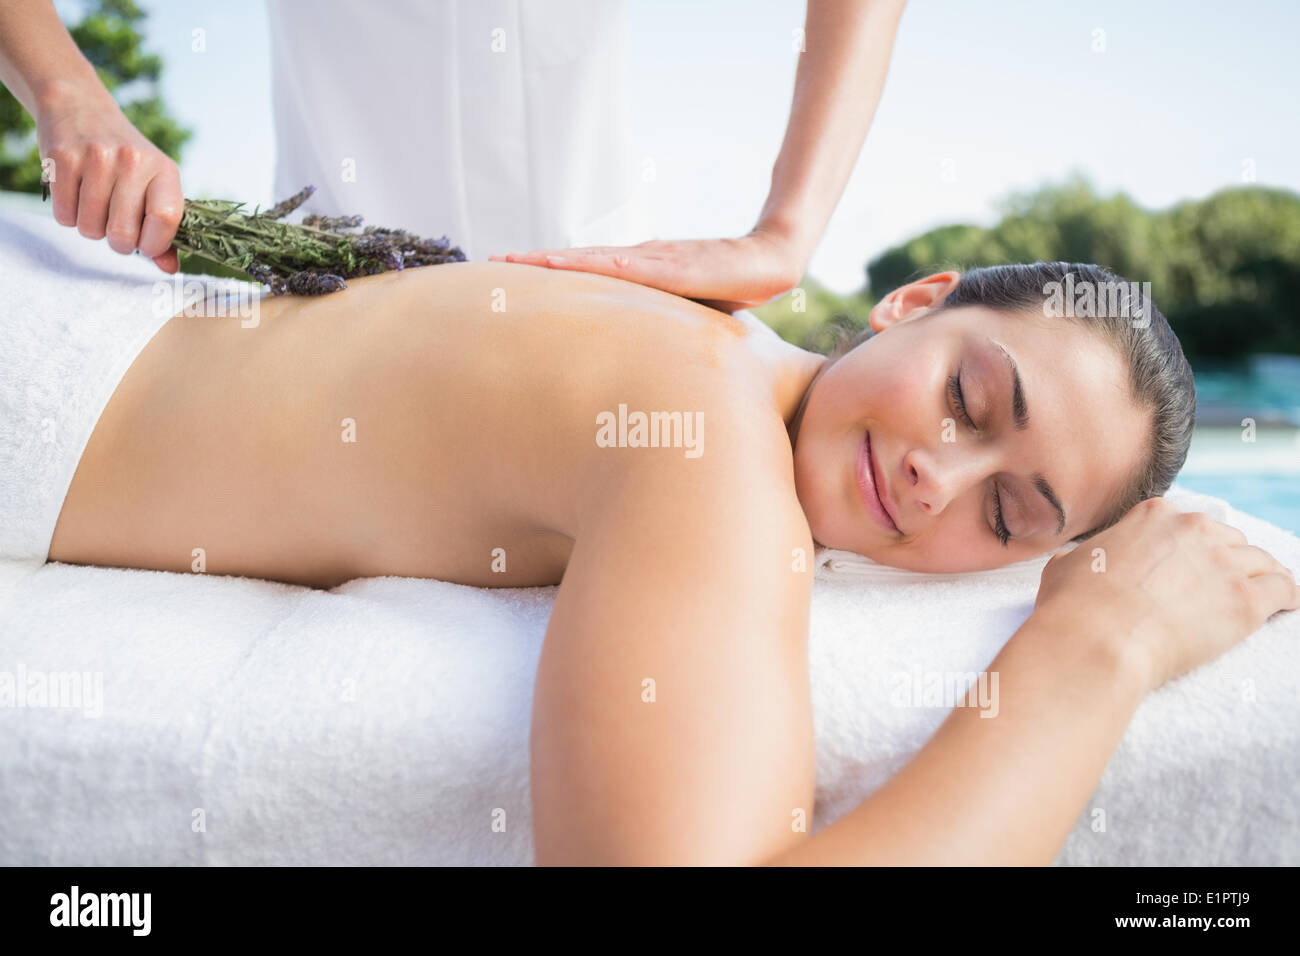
868,484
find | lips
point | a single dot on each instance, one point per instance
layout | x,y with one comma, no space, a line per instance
871,487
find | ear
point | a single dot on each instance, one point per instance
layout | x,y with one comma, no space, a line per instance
913,299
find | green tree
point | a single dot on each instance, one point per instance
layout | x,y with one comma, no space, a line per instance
1225,270
813,316
109,36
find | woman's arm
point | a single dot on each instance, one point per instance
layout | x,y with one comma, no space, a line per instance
672,715
107,179
1174,591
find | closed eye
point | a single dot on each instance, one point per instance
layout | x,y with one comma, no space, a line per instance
959,407
959,400
999,527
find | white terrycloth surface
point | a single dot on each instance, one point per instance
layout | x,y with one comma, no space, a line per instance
386,722
73,316
68,332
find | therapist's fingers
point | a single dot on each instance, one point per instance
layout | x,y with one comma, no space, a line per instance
621,262
642,269
163,205
125,210
97,177
727,273
539,256
168,262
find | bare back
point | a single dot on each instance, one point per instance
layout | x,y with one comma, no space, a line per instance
441,422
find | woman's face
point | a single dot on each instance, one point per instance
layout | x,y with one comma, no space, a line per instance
1079,436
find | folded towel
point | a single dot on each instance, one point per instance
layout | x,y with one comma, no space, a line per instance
386,722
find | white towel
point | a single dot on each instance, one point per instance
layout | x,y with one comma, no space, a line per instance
386,722
73,317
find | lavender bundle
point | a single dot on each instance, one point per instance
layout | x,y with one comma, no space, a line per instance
313,258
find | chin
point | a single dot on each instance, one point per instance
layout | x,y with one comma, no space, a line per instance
828,526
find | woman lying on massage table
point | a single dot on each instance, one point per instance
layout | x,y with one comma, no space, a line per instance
490,424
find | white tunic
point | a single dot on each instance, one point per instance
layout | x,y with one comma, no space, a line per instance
498,123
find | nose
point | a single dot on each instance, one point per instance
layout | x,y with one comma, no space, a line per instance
938,476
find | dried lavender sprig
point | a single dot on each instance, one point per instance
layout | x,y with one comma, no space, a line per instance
332,223
312,258
315,282
282,209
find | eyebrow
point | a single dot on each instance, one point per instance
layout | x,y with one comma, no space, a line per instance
1020,415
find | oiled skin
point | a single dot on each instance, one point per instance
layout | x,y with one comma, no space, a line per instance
471,391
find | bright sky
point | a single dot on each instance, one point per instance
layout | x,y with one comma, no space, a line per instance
1000,96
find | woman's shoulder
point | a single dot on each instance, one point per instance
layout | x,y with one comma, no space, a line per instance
706,435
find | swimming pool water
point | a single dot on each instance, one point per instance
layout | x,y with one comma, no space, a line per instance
1260,477
1275,498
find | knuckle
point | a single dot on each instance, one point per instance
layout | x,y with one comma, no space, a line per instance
121,238
129,157
64,158
99,155
1152,507
165,213
1230,536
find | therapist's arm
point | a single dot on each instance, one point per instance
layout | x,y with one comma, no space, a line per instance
841,73
838,84
107,178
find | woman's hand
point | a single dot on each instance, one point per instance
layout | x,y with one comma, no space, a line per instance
107,179
1178,589
726,274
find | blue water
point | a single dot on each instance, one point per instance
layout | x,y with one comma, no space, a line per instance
1258,471
1264,387
1275,498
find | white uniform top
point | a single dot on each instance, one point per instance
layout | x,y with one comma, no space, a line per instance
498,123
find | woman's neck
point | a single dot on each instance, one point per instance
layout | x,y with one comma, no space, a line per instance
791,370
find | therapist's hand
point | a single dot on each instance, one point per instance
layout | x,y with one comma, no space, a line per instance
108,178
726,274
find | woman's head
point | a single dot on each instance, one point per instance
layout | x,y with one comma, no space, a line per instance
1035,390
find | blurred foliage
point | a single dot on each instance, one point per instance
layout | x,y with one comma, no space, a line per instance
811,315
109,36
1225,270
